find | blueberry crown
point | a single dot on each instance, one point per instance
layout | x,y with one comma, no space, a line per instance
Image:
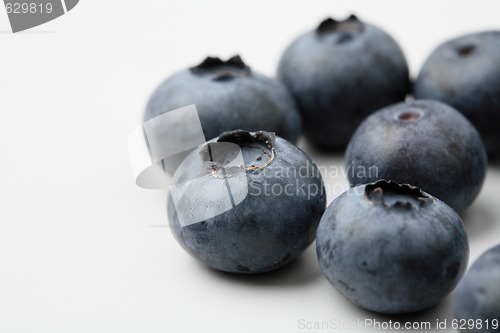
224,70
349,25
392,194
262,140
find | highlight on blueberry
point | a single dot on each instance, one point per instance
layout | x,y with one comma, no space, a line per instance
476,305
246,202
228,95
464,72
338,74
391,248
424,143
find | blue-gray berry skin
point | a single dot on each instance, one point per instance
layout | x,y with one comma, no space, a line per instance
477,297
465,73
338,74
424,143
391,248
229,95
275,222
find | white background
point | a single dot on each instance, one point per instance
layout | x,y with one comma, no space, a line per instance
82,249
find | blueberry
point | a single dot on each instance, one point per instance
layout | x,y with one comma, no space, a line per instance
477,299
465,73
424,143
338,74
248,215
391,248
228,95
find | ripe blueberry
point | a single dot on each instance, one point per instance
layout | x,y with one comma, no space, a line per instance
427,144
465,73
248,216
478,295
338,74
228,95
391,248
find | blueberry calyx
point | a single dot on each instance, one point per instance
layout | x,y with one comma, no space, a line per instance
224,70
218,159
262,142
409,115
257,147
465,50
346,27
389,193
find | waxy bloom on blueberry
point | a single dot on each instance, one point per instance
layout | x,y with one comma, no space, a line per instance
391,248
228,95
246,202
424,143
338,74
477,298
465,73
